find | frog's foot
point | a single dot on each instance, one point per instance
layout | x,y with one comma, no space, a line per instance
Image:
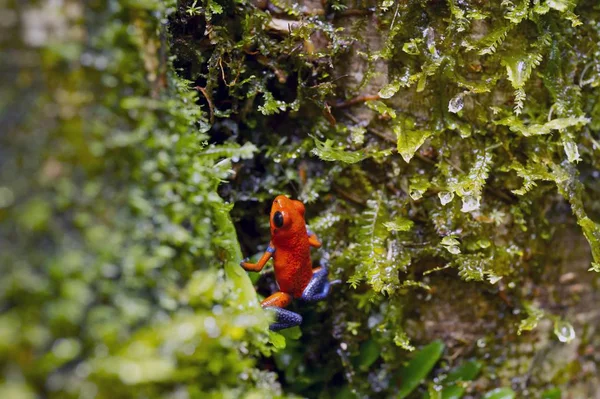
319,286
283,318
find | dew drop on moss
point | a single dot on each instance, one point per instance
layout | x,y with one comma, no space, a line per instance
470,203
389,90
445,197
456,104
416,194
564,331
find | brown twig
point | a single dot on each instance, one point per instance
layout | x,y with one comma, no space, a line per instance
357,100
328,115
209,101
223,75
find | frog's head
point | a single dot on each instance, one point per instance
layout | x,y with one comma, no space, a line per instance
287,217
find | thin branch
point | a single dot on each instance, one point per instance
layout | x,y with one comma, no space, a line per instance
210,103
223,74
357,100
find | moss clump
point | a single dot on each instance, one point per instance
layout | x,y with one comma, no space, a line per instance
120,273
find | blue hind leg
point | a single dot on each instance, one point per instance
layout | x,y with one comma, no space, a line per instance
284,318
319,286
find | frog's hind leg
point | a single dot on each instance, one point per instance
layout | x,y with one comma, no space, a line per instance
319,286
283,318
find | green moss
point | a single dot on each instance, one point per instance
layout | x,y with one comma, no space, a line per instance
121,273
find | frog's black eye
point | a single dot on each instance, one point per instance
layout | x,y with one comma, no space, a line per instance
278,219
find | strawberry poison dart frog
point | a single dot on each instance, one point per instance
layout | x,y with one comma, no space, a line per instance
290,248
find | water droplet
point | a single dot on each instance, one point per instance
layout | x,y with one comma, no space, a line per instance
445,197
456,103
454,250
564,331
470,203
571,150
484,243
389,90
416,194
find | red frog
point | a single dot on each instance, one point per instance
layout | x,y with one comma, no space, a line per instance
290,248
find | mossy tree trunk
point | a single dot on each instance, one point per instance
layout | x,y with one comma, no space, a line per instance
447,153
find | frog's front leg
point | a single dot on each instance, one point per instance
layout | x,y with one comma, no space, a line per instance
312,238
283,318
258,266
319,285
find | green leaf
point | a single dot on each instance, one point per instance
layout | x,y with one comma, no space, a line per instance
293,333
477,266
412,47
389,90
519,69
571,149
490,42
534,316
500,393
399,224
518,12
451,244
271,105
591,231
516,125
453,392
327,152
381,108
409,141
418,186
369,353
277,340
215,7
233,151
233,254
467,371
552,393
470,186
419,367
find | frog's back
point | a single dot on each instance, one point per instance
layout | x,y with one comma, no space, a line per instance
293,267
